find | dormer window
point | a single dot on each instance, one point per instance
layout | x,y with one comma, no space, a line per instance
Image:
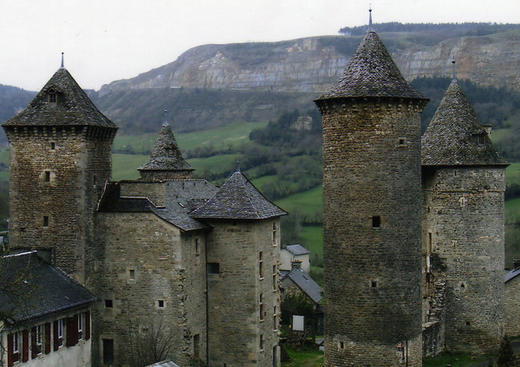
52,97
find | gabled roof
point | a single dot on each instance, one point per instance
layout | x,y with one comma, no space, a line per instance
297,249
455,137
36,288
371,72
166,155
72,106
238,198
305,283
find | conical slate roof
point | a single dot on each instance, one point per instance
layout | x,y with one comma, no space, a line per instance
238,198
166,155
61,102
371,72
455,137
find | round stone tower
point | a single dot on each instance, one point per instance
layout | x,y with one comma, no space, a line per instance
463,225
372,213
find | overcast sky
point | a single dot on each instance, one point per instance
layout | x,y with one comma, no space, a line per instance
106,40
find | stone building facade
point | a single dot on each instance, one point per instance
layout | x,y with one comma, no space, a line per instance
168,257
372,206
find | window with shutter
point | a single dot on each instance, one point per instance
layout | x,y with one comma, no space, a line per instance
10,351
47,338
55,335
25,345
87,325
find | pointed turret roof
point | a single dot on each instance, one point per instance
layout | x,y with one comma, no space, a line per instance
238,198
371,72
166,155
61,102
455,136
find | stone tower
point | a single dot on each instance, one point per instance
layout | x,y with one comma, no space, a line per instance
60,158
372,213
166,161
463,225
243,251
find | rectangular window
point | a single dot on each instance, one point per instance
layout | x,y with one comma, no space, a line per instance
261,342
274,234
376,221
160,303
131,273
213,268
197,248
275,326
196,345
109,303
47,176
53,145
45,221
60,333
38,339
80,326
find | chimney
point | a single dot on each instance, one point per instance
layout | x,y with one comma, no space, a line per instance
296,264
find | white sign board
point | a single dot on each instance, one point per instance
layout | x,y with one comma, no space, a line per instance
298,323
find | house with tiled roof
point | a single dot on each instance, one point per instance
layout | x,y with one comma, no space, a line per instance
44,314
165,255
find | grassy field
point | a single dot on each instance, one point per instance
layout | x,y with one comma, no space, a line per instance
312,239
513,173
124,166
307,203
304,358
222,137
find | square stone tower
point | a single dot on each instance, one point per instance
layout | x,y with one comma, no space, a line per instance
60,157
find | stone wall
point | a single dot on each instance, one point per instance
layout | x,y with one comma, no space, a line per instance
372,230
463,235
56,176
154,277
244,293
512,307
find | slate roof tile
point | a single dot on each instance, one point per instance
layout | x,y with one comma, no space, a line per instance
238,198
306,284
72,106
371,72
455,136
166,155
37,289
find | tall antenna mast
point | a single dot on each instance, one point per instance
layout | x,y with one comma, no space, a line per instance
370,17
453,70
62,60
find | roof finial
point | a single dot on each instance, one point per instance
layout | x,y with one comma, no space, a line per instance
370,17
62,60
238,165
453,73
165,118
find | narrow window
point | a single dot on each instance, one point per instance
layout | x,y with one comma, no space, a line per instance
468,323
376,221
261,342
213,268
196,345
94,180
402,141
274,234
373,284
53,145
197,248
52,97
132,274
108,351
80,326
160,303
45,221
47,176
260,265
261,307
275,326
16,347
341,345
109,303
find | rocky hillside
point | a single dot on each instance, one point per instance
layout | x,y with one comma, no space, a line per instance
313,64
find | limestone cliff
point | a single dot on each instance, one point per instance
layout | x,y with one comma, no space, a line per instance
313,64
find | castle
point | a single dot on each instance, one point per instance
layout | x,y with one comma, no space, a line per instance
167,256
413,228
413,236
